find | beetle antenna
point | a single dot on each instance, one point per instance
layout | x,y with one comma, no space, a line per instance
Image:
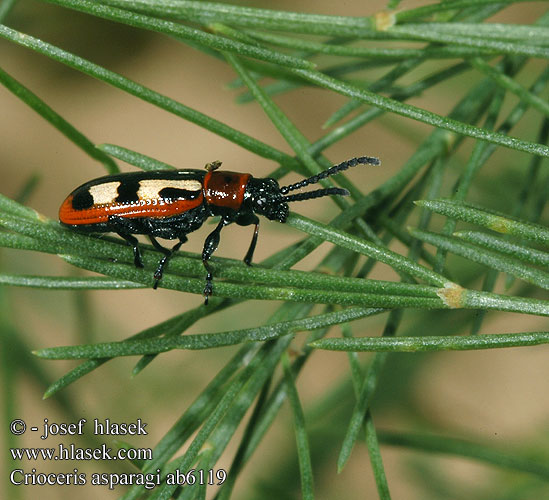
316,194
362,160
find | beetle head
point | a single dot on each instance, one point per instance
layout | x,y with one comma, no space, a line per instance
266,199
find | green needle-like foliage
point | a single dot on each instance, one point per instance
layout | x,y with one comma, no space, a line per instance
439,204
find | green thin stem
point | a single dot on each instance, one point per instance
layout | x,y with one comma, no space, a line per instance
181,32
432,343
34,102
422,115
147,95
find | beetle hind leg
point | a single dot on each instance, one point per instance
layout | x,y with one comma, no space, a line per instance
133,241
164,260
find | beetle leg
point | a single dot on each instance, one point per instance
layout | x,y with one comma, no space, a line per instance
132,240
167,255
250,253
248,219
210,246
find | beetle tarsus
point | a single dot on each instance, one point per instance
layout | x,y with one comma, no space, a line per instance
159,271
208,287
167,256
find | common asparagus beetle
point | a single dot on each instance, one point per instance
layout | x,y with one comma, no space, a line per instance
173,203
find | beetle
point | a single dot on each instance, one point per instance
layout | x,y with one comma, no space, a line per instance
173,203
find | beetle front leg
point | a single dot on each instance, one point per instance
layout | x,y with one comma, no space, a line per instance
248,219
210,246
250,253
167,255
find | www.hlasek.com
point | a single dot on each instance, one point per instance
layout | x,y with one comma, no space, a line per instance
72,452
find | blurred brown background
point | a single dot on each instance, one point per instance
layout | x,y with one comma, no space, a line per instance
499,397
